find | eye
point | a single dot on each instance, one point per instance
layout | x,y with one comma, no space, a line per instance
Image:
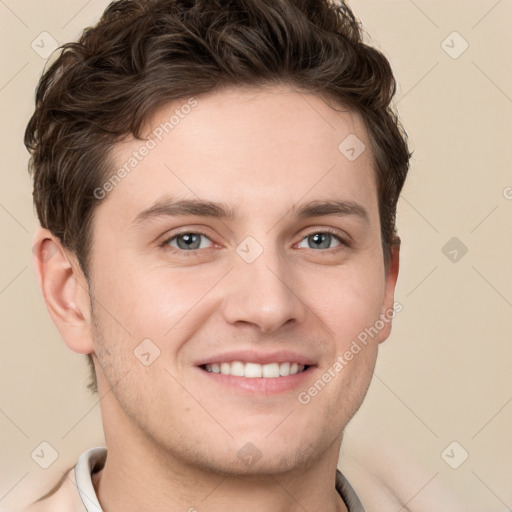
322,240
187,241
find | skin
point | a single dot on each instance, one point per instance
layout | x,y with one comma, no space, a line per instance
172,433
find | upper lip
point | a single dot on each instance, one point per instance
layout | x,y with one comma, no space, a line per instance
254,356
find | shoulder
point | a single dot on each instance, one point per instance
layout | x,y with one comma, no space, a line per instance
75,485
62,497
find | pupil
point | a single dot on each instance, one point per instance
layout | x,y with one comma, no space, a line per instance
321,239
188,241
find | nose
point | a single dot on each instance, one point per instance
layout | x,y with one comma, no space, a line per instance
263,294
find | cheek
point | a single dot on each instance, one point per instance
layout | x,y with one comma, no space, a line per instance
351,301
156,311
151,302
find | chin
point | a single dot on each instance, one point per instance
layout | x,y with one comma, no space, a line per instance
258,456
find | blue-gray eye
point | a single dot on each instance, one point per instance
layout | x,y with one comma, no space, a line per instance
321,240
187,241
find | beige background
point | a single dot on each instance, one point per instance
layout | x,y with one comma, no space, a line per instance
443,376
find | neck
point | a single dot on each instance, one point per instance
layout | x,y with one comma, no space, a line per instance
146,479
142,473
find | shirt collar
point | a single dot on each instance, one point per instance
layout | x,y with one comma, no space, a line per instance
348,494
94,459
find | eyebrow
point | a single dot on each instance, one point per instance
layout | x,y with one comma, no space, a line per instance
167,207
329,207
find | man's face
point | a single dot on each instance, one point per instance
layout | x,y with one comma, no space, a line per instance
265,285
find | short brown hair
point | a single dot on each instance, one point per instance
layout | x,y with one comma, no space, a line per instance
143,54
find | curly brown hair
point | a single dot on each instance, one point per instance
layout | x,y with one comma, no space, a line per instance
143,54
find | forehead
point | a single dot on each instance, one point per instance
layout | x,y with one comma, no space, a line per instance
246,147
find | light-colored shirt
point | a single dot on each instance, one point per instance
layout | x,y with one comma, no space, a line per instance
75,491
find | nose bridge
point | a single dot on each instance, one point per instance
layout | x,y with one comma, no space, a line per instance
260,291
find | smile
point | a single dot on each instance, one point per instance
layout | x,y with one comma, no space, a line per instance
255,370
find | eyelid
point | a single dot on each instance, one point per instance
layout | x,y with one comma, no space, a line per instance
185,232
344,239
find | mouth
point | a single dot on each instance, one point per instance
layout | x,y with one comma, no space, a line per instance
252,370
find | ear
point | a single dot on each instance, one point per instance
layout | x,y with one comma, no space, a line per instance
65,290
389,309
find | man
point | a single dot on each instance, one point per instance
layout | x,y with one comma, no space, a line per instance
217,186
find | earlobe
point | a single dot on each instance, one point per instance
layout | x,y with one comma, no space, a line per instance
387,312
65,290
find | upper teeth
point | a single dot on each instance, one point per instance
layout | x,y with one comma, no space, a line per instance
253,370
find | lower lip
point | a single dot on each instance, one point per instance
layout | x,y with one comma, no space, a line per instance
261,385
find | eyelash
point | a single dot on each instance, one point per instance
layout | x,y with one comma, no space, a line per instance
181,252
